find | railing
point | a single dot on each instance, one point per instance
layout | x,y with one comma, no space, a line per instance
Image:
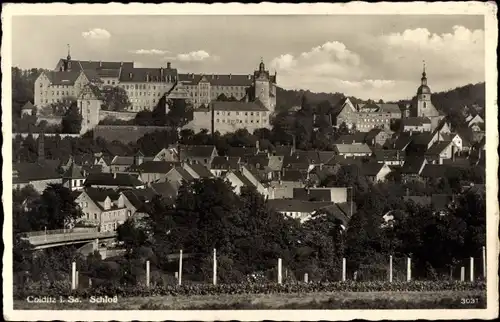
75,236
61,231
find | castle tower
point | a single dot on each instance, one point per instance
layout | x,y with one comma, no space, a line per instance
67,63
262,85
424,104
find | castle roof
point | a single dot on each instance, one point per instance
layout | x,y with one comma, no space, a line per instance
217,79
139,75
239,106
95,65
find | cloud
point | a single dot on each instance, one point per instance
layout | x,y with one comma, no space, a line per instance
149,52
194,56
386,66
96,33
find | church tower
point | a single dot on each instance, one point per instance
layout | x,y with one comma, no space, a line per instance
262,84
424,104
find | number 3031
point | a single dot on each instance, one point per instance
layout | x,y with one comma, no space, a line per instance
469,301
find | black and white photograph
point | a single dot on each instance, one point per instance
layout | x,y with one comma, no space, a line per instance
250,162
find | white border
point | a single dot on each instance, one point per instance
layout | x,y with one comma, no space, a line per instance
415,8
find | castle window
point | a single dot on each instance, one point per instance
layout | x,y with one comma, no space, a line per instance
425,104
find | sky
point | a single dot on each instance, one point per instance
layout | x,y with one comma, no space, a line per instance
366,56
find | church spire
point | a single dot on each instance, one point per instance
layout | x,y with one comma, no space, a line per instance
69,53
261,65
424,75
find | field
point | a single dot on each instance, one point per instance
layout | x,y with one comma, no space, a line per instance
320,300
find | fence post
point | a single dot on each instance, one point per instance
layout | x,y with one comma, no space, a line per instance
390,268
73,275
306,278
462,274
147,273
484,263
472,269
180,267
343,269
90,282
176,275
76,279
215,267
408,270
279,271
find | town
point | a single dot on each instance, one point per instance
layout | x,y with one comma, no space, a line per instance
149,161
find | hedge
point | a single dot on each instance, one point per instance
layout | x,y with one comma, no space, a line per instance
63,288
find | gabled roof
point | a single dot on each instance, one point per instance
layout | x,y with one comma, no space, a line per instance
292,205
153,167
217,79
97,65
186,176
341,160
241,151
282,150
127,160
238,106
63,77
352,148
139,197
371,168
388,155
201,170
389,108
260,162
296,160
325,156
150,75
28,106
358,137
25,172
240,176
113,179
438,147
458,162
422,138
74,172
98,195
412,165
164,189
312,194
434,171
415,121
225,163
196,151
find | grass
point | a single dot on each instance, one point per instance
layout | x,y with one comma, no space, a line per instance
325,300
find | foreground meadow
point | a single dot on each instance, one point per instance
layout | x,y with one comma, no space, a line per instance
320,300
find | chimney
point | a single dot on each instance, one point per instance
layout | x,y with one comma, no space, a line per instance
169,65
161,73
249,76
121,64
130,75
147,77
114,175
257,145
100,64
230,76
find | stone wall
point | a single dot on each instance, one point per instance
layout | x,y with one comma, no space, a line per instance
124,116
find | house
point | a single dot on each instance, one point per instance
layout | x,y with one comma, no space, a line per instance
474,119
354,138
431,172
298,162
152,171
137,201
377,137
439,151
74,177
244,178
221,164
260,164
202,154
242,151
39,175
177,176
103,208
28,109
333,194
197,171
304,210
166,190
166,154
412,168
416,124
114,181
375,172
288,179
122,163
353,150
389,157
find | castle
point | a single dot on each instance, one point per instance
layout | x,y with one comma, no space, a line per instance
78,80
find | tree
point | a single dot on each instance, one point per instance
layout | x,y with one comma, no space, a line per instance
132,235
72,120
55,209
179,113
115,98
